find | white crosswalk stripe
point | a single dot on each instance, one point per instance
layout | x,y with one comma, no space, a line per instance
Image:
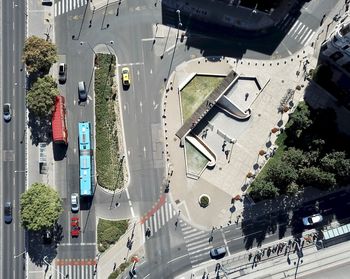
64,6
160,218
196,242
296,30
75,271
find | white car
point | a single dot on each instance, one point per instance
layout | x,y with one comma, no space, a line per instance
74,201
313,219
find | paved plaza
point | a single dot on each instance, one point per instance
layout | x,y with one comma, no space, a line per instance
229,176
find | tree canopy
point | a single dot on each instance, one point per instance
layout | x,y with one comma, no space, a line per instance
38,55
41,97
40,207
262,189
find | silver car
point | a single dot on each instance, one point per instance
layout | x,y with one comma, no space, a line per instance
7,110
74,201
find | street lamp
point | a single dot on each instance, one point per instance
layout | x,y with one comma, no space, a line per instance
47,263
179,21
82,43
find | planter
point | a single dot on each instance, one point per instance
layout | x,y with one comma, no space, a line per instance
274,130
204,200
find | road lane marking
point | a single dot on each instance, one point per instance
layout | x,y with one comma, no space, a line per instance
173,260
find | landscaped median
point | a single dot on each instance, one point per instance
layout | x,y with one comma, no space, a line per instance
109,165
109,232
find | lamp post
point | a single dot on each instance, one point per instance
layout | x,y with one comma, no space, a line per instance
82,43
179,24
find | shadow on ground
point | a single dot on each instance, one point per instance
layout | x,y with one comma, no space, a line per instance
40,129
37,249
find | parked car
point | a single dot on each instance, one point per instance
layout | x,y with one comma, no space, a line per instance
7,111
82,91
313,219
75,229
62,73
8,212
126,76
218,252
74,201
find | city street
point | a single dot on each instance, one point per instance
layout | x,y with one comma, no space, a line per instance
129,29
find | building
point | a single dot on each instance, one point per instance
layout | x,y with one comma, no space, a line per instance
336,49
335,55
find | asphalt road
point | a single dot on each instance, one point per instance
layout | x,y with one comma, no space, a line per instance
79,60
129,27
12,146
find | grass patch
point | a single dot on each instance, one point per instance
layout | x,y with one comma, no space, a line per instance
108,166
109,232
195,92
119,270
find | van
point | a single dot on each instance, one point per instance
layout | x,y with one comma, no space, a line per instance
82,91
218,252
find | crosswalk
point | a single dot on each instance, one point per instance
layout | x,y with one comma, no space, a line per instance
197,243
296,30
74,269
65,6
159,218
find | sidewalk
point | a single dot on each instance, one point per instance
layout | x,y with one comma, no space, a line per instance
284,265
41,24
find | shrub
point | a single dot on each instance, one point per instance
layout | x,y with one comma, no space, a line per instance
204,201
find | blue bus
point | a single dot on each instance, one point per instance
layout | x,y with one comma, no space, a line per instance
85,160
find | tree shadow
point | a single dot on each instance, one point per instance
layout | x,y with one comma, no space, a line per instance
40,129
37,249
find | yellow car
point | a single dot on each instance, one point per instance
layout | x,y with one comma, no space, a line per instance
126,76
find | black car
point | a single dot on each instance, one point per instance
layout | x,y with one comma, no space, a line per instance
8,212
62,73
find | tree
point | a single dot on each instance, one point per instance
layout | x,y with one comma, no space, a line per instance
281,174
337,163
38,55
41,97
316,177
299,120
262,189
295,157
40,207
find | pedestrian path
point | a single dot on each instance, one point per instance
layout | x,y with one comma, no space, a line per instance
165,212
65,6
74,269
197,243
296,30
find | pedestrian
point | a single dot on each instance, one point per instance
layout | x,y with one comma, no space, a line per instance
117,204
246,96
114,266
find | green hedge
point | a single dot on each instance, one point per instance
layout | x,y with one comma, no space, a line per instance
109,232
109,169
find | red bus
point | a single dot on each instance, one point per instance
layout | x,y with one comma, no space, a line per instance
59,129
